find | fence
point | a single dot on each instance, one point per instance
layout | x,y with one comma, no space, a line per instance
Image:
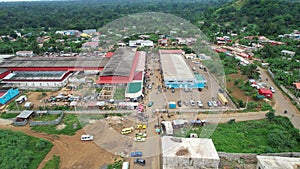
19,123
54,122
251,158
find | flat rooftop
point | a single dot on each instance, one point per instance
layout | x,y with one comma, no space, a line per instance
54,62
134,87
275,162
188,147
32,75
120,64
174,67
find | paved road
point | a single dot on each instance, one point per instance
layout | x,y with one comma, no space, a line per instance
282,102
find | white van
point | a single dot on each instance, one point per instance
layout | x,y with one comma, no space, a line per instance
87,137
125,165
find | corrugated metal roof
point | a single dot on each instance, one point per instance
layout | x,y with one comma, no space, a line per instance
120,63
174,67
54,62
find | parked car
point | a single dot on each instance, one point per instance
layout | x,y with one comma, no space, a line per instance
140,126
140,161
209,103
150,86
142,135
139,139
186,103
150,104
215,104
87,137
173,90
179,103
192,102
200,104
272,89
136,154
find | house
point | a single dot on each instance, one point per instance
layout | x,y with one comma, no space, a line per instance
265,92
24,116
163,42
89,31
7,94
141,43
297,88
188,153
274,162
24,53
288,53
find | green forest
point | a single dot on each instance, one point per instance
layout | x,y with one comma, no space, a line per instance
81,14
21,151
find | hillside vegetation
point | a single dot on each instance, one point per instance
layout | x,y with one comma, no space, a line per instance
265,17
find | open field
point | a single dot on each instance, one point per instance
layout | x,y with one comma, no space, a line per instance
69,122
29,151
261,136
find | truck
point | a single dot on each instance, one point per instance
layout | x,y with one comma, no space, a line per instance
172,105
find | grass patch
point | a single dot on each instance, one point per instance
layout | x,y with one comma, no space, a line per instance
116,165
261,136
8,115
70,120
47,117
18,150
119,94
53,163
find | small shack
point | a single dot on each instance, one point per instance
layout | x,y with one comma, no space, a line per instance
24,116
266,92
28,105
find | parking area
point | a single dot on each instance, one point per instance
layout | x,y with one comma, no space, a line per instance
159,96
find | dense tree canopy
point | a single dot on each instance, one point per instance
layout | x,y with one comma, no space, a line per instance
91,14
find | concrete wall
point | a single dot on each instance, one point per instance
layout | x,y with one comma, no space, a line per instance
190,163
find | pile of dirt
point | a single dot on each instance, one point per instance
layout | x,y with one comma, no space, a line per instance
60,126
182,152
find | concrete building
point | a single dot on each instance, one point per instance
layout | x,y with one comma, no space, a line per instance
288,53
189,153
24,53
275,162
46,72
176,72
120,68
141,43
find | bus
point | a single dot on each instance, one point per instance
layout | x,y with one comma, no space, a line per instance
222,99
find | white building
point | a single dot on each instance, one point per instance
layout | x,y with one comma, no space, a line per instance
275,162
141,43
189,153
288,53
24,53
176,72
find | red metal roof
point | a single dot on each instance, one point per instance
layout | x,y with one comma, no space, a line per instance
2,93
171,51
138,76
109,54
297,84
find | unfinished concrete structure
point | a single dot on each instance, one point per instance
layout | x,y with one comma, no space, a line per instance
189,153
275,162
